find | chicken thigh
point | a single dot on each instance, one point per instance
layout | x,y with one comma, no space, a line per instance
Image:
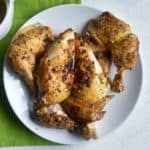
26,47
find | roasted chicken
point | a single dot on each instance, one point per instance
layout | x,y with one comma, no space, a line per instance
91,86
90,130
26,47
55,72
115,36
69,74
54,77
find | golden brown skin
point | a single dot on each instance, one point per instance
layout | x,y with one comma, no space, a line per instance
53,116
89,94
26,47
125,51
90,82
128,46
55,71
118,38
82,111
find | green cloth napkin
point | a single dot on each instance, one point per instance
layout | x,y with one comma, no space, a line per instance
12,131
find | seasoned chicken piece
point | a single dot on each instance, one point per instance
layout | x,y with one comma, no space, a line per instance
108,28
26,47
89,95
118,38
53,116
55,71
83,111
90,81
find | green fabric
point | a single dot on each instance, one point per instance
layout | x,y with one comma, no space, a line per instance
12,132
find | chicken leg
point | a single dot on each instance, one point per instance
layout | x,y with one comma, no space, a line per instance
117,38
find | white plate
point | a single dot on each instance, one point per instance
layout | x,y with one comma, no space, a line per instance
19,97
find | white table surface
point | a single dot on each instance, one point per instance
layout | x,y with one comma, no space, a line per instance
134,134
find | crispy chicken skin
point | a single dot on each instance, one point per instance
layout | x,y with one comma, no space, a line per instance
53,116
70,73
82,111
27,45
90,81
117,38
55,71
54,77
89,94
125,51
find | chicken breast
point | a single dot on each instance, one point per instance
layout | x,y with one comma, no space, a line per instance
90,81
90,88
82,111
125,51
89,95
26,47
55,71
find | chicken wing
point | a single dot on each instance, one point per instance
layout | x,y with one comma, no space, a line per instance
26,47
118,38
55,71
